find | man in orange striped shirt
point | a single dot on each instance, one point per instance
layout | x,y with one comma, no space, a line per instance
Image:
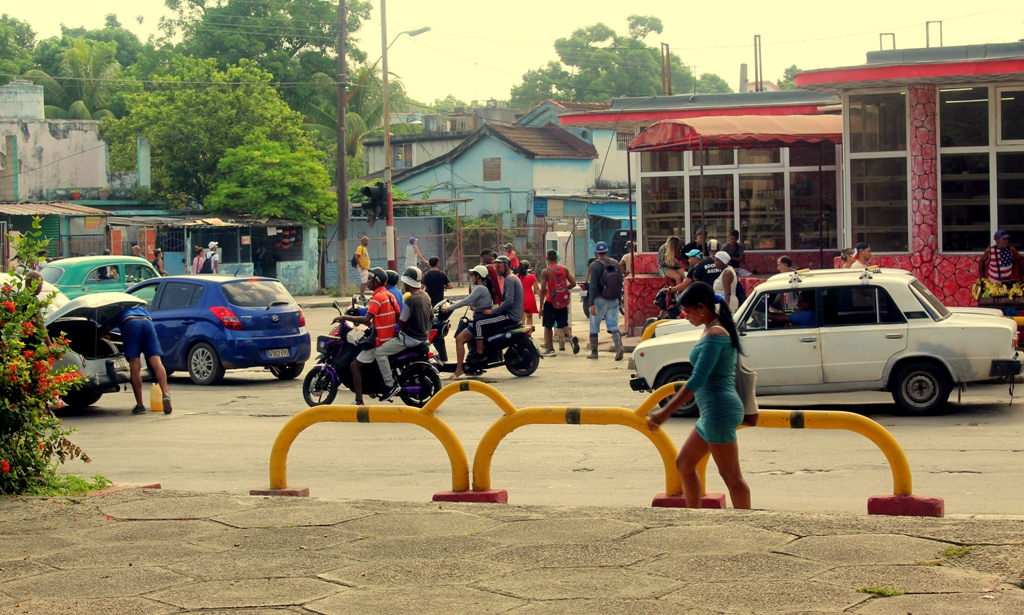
382,313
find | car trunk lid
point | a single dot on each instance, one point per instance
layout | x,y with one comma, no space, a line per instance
99,307
264,307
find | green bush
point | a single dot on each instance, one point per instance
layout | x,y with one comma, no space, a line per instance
32,440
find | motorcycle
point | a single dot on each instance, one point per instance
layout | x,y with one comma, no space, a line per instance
413,369
512,347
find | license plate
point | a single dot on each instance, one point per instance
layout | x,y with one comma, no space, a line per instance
120,363
278,353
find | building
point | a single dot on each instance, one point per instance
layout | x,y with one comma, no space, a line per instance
409,150
933,157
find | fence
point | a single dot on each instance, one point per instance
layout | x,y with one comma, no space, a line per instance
466,243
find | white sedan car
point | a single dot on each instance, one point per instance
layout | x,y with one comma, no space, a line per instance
832,331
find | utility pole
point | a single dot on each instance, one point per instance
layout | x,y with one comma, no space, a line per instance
390,229
342,168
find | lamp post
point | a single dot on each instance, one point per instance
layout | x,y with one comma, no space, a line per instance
390,225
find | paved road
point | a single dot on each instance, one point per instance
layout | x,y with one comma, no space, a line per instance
219,439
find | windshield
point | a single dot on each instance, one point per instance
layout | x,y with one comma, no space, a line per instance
51,274
929,301
256,293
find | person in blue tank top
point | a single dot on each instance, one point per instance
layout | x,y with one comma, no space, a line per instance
713,383
138,337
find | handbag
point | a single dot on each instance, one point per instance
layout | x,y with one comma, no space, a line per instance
369,339
746,386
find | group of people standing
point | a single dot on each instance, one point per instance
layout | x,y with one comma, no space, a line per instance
695,262
206,261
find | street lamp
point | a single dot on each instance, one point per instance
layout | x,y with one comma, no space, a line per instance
390,228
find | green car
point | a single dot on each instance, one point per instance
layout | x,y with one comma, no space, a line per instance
97,274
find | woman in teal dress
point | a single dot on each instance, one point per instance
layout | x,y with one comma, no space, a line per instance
713,383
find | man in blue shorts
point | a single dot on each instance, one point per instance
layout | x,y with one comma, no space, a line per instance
139,337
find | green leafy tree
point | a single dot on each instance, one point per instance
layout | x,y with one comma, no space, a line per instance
128,44
85,84
448,103
788,81
595,64
191,128
32,439
16,42
271,179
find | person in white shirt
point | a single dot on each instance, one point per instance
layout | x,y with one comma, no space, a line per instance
862,256
213,257
413,256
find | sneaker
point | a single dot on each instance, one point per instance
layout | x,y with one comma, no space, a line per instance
139,410
394,390
550,352
167,404
575,344
476,358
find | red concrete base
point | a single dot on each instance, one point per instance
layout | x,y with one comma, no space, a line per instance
710,500
295,492
906,506
489,496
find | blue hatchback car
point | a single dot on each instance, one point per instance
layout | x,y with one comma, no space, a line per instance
211,323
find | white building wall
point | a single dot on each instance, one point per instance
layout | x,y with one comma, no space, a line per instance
422,151
56,154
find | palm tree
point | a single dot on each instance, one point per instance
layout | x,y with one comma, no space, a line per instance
83,86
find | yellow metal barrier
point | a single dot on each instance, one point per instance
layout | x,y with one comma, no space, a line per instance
649,331
424,417
542,415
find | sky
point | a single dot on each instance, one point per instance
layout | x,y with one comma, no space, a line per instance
477,51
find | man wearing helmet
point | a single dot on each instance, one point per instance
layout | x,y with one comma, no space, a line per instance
414,323
506,315
383,315
478,300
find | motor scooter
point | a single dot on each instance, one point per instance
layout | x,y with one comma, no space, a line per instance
413,369
512,347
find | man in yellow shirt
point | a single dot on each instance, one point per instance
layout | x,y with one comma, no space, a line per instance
364,264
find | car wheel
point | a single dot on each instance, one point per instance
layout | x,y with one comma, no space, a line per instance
204,366
288,371
921,388
521,360
319,388
676,373
81,399
421,375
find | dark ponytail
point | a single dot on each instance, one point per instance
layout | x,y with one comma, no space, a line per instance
700,293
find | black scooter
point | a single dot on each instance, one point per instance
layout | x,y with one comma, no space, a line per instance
413,369
512,347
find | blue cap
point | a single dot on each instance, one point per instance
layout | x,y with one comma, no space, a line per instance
601,247
412,240
695,253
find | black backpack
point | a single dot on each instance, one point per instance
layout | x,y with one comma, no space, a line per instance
207,266
355,261
611,280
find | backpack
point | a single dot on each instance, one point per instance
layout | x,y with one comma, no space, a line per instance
355,260
611,280
741,293
558,291
207,266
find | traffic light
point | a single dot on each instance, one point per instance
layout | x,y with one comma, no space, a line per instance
376,207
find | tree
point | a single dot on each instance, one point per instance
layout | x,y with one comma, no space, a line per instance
84,83
190,128
595,64
16,42
128,44
271,179
788,81
449,103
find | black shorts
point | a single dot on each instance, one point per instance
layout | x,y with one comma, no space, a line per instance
555,318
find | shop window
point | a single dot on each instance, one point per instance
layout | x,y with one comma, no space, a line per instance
965,202
658,162
878,123
963,117
492,169
768,155
762,205
879,203
807,156
812,210
623,139
401,156
714,213
664,209
1011,115
1010,195
715,157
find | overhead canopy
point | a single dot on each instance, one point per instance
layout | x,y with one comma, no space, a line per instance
739,131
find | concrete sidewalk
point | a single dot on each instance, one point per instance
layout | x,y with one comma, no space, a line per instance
152,552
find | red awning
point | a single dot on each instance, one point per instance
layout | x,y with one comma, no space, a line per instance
742,131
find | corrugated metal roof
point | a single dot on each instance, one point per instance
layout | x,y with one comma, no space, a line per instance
50,209
582,106
547,142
